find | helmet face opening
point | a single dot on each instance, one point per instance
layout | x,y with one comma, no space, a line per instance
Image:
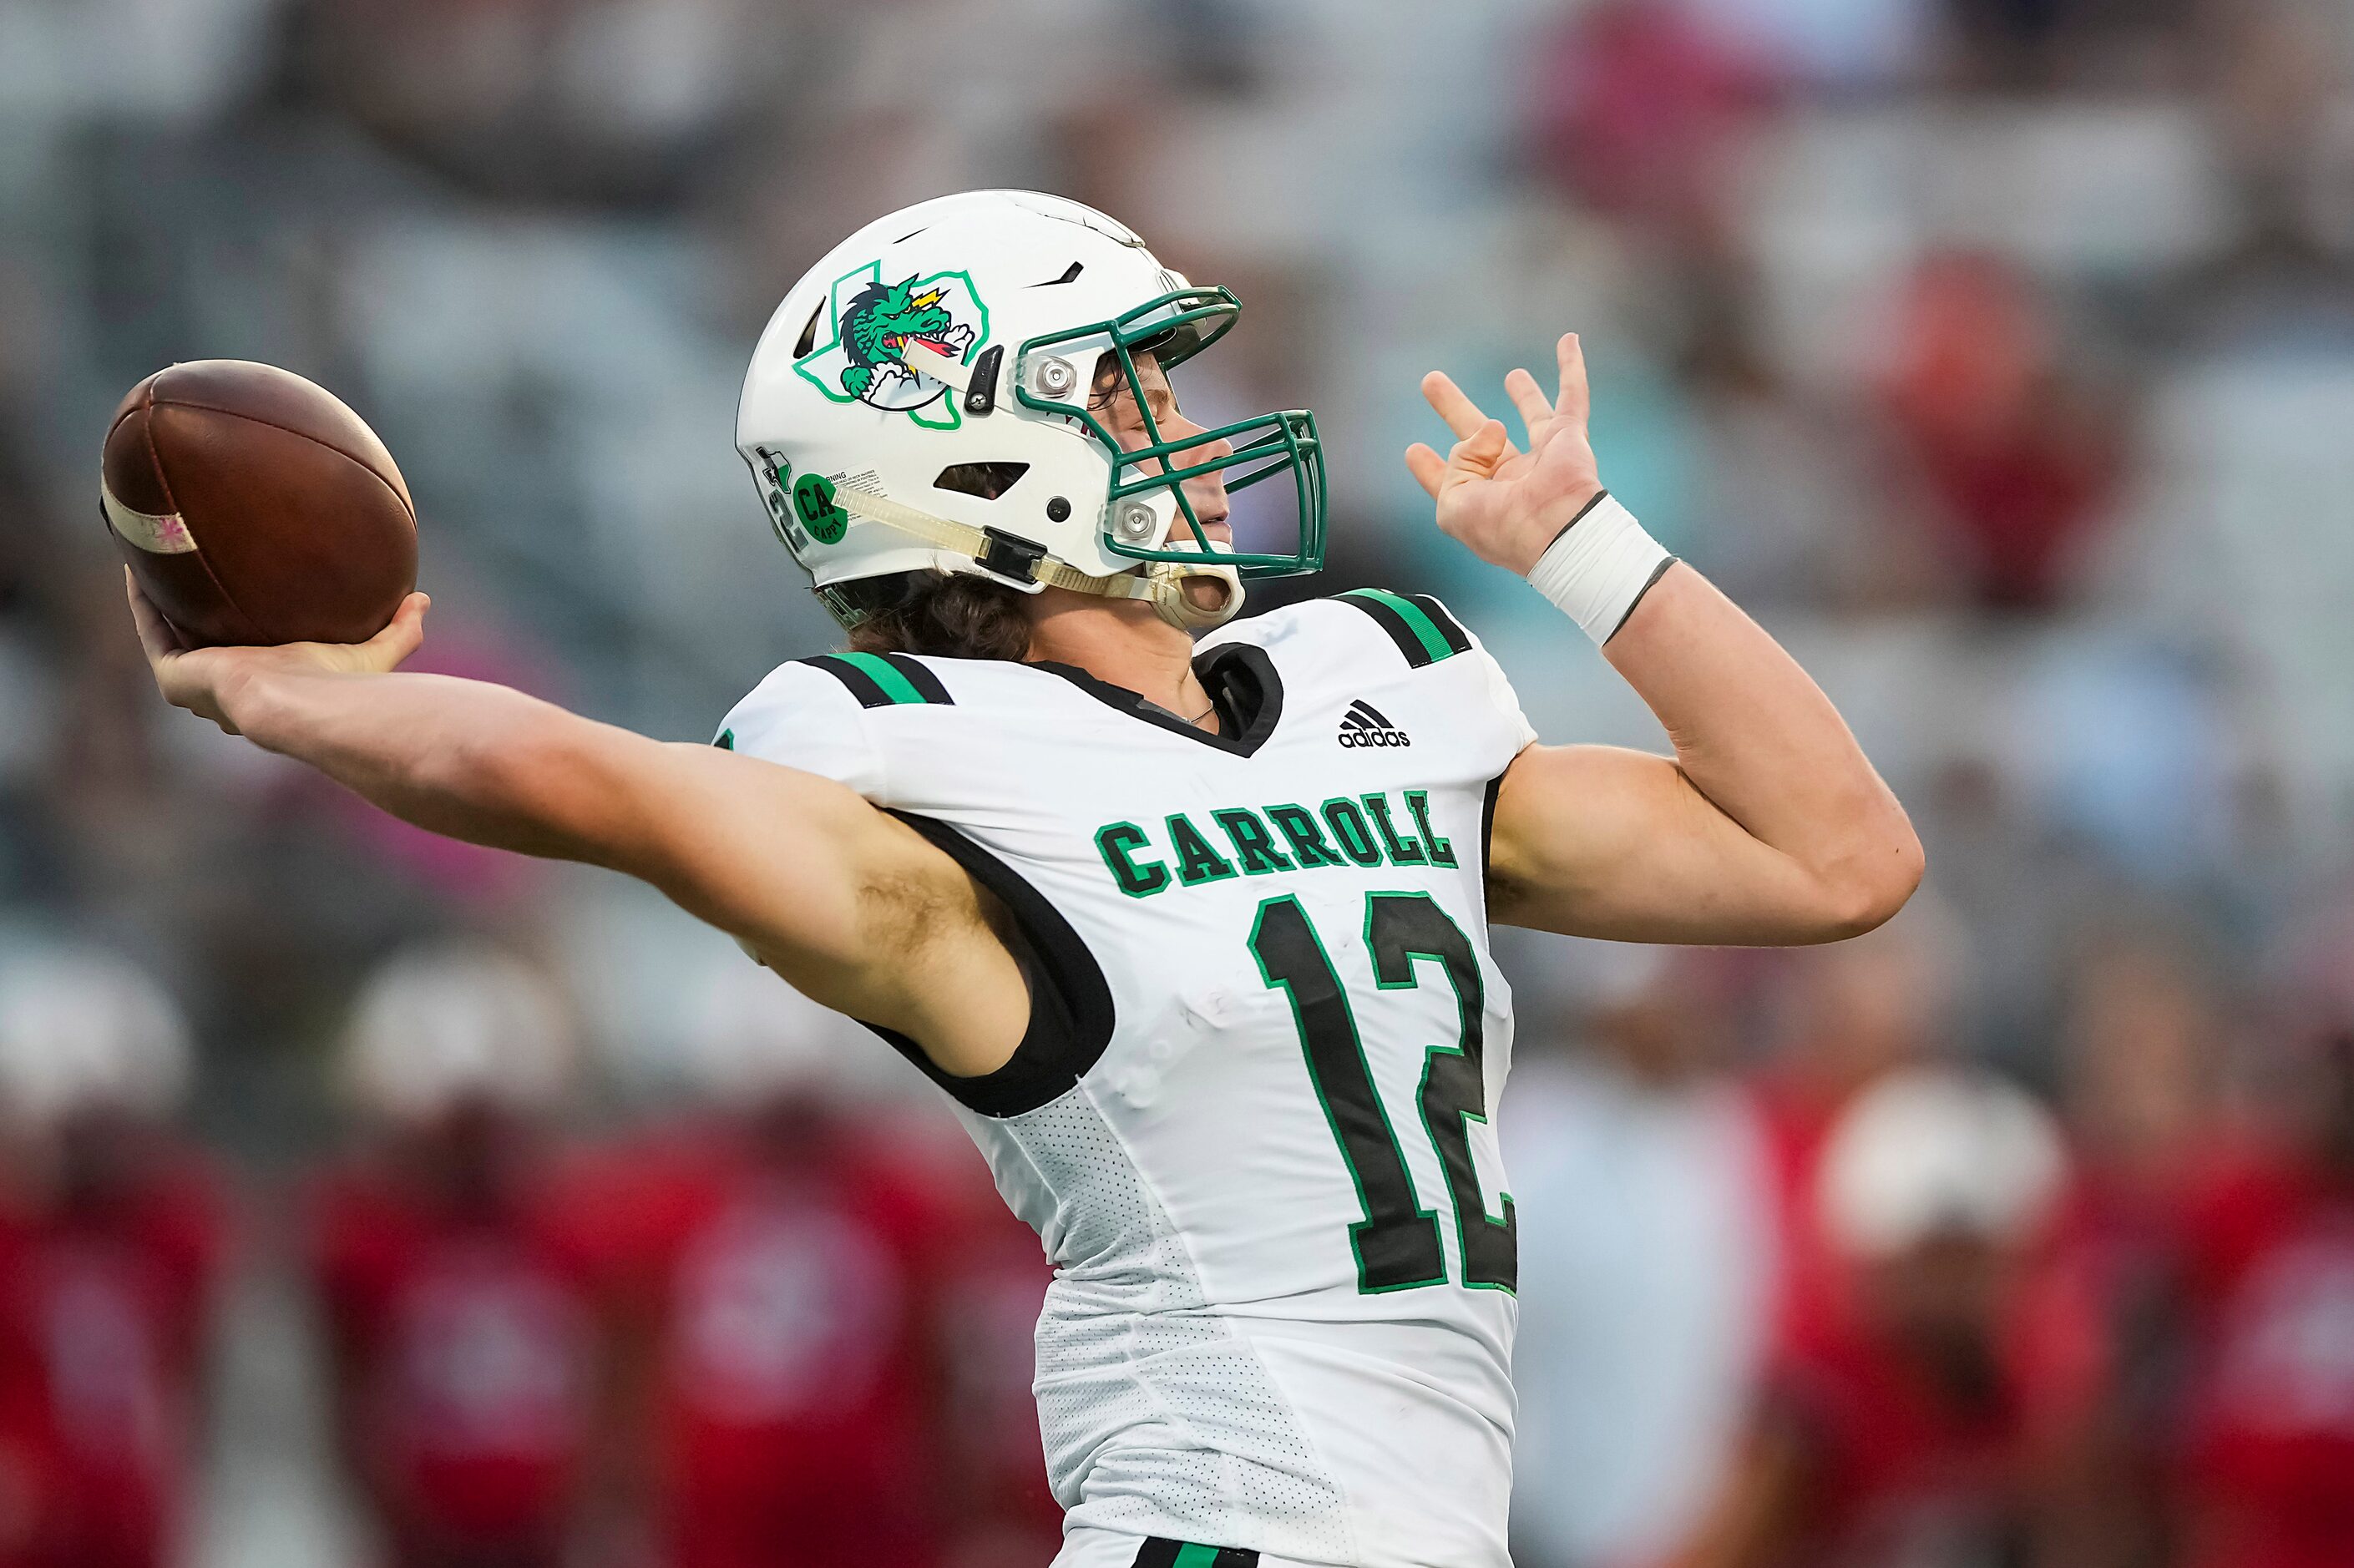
1173,328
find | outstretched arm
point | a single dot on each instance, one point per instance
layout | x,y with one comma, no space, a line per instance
1769,825
850,904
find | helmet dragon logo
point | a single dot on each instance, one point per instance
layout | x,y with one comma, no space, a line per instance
879,328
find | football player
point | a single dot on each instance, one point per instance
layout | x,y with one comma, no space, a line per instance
1194,932
458,1261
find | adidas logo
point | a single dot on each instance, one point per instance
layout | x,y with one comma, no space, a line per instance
1363,725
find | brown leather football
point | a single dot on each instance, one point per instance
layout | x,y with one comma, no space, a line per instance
255,508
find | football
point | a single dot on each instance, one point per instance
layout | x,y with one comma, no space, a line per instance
255,508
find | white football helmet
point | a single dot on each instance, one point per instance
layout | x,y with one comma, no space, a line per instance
82,1029
1928,1150
920,401
435,1026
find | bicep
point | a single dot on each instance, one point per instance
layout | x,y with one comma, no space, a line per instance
848,904
1593,841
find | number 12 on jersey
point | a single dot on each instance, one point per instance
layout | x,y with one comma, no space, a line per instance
1396,1243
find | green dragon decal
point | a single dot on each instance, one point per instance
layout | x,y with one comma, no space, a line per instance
875,322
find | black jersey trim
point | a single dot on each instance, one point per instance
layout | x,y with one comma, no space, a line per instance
884,680
1071,1013
919,675
1240,679
1420,626
1487,836
1161,1552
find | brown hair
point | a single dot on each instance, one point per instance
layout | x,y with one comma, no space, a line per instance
951,616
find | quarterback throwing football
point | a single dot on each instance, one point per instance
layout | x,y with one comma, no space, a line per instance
1188,914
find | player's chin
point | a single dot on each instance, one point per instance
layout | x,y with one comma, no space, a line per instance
1206,595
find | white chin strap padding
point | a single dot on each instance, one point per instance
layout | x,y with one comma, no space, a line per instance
1170,581
1163,582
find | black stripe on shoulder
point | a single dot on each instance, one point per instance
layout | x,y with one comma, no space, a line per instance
725,740
860,683
1071,1013
1392,622
919,675
1458,640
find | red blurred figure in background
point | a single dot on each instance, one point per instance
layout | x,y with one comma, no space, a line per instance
993,1289
458,1282
2141,1050
2271,1288
1930,1415
1853,1014
785,1261
111,1235
1642,111
2019,458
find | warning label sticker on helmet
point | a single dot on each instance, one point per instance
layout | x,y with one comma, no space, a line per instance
884,332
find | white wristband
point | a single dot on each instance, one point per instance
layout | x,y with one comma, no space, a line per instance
1600,567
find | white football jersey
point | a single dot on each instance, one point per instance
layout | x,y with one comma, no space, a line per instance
1251,1118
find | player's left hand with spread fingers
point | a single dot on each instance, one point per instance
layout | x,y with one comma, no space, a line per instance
1509,504
205,680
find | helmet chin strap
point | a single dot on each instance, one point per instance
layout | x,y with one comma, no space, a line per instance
1163,583
1166,582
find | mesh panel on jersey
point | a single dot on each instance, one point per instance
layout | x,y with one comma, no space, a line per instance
1159,1417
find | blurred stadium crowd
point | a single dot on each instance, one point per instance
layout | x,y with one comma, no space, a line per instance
371,1199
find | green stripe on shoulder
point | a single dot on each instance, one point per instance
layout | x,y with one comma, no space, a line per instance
1418,624
884,679
886,674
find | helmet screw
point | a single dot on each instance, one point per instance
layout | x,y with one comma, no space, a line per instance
1057,510
1134,522
1055,378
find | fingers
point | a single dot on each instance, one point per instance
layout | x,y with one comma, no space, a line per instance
1529,400
156,637
1575,402
390,648
1462,415
1477,454
1427,468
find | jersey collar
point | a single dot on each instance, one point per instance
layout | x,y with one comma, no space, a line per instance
1240,679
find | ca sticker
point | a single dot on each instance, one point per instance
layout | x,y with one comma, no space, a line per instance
819,511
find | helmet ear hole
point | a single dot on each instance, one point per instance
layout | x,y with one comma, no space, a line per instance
808,340
986,479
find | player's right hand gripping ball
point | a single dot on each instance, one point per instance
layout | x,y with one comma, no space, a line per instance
255,508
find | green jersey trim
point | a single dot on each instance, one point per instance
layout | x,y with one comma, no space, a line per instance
884,680
1160,1552
1417,623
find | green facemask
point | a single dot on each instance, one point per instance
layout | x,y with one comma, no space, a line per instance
1174,328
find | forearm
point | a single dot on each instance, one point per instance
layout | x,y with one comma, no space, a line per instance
1758,738
447,754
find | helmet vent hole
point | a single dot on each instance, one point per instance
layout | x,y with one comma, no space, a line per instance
986,479
808,340
1070,275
